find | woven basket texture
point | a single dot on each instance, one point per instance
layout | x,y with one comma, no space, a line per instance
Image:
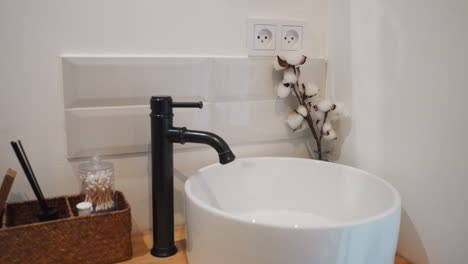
100,238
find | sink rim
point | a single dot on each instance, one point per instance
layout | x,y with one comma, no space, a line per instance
233,217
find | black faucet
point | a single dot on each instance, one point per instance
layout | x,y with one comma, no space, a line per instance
163,134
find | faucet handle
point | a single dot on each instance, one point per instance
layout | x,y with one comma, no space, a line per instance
188,104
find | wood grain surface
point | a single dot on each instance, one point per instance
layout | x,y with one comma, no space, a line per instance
6,187
142,243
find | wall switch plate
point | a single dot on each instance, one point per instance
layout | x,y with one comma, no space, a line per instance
270,37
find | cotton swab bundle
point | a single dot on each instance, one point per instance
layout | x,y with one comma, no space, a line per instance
98,189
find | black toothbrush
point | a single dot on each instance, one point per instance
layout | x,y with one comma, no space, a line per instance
48,213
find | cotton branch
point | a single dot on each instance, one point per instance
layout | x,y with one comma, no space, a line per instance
324,109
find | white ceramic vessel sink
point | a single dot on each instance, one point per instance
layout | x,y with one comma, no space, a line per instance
290,211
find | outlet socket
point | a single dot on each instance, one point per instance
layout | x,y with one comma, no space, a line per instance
291,37
264,37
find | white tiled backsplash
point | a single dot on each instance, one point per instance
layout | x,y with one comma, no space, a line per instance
107,100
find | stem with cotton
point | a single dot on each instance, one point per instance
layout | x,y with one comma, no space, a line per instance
324,110
310,122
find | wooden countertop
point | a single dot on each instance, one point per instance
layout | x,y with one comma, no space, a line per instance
142,243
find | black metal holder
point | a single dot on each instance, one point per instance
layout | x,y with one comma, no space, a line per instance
47,213
163,135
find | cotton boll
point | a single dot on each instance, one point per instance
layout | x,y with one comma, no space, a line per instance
296,59
312,101
294,120
317,115
302,110
311,89
280,64
336,112
277,66
330,135
326,127
323,105
337,109
283,90
289,76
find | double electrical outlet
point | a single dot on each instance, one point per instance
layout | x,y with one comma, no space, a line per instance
269,37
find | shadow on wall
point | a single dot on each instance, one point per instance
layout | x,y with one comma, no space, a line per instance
340,79
344,127
365,67
409,238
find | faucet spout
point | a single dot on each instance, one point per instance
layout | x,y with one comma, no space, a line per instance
183,135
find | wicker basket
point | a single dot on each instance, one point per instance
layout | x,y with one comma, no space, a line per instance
100,238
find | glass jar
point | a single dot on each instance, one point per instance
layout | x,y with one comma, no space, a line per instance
98,184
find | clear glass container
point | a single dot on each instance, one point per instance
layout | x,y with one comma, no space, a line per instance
97,179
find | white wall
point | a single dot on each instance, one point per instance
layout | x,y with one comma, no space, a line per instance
401,68
33,35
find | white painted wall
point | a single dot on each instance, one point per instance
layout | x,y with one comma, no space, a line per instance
401,68
33,35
